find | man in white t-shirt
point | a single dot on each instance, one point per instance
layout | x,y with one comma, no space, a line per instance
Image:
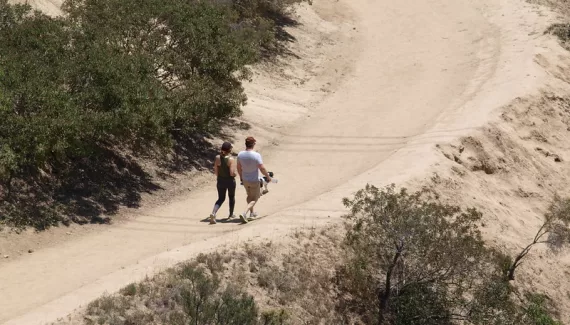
249,164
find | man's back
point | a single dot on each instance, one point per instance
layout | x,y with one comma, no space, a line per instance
250,161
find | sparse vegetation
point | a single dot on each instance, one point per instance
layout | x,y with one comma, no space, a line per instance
129,290
273,317
173,296
562,31
186,295
411,258
554,232
406,259
539,310
87,95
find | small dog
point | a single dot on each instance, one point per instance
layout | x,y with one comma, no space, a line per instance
263,183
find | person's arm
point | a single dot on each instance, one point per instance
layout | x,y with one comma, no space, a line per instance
239,170
216,164
263,170
231,166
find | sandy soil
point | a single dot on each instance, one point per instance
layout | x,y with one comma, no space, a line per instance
378,84
49,7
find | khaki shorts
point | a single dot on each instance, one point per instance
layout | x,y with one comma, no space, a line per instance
253,190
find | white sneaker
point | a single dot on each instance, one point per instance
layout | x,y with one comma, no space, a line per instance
243,218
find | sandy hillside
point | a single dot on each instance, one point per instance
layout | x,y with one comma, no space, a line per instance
378,84
50,7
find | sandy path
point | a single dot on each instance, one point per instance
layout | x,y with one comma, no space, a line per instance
413,62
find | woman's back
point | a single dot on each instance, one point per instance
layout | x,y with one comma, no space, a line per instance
224,168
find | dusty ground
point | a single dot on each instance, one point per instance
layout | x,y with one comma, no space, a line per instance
511,170
376,86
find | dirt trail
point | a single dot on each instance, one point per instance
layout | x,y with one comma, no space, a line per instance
419,72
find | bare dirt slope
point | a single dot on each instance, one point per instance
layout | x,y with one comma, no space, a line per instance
50,7
401,76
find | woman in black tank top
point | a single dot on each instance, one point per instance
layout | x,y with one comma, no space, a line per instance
224,168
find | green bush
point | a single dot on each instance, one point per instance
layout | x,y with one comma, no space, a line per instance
85,93
204,304
554,232
412,260
538,312
402,250
186,296
274,317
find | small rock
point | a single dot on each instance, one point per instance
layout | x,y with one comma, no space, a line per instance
91,318
100,220
68,233
557,159
542,151
30,251
253,268
6,256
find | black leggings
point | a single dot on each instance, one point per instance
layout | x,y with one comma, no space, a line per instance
230,186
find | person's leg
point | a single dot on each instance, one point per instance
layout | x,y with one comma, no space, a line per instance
251,198
243,216
232,197
253,202
254,195
221,198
